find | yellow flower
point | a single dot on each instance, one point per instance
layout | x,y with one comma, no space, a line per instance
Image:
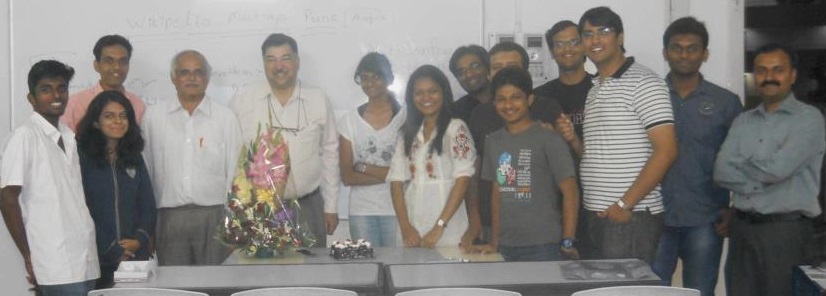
265,196
242,186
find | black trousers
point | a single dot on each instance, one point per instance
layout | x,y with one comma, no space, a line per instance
764,253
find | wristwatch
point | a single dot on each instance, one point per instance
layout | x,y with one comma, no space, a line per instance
441,223
360,167
567,243
622,205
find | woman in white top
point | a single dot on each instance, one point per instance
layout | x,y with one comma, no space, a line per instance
435,157
367,141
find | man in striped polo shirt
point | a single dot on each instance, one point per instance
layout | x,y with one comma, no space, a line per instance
629,143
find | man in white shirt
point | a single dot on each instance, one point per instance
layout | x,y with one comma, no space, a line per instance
306,118
191,148
42,197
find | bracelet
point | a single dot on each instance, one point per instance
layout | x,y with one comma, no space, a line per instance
360,167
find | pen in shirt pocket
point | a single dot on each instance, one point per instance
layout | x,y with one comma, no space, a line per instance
201,142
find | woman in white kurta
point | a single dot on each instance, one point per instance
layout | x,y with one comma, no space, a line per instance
434,161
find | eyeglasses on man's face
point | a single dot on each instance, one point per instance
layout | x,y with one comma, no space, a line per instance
567,43
473,67
601,32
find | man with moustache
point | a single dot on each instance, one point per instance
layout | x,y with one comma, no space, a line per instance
696,209
771,162
191,150
42,197
628,147
307,122
112,55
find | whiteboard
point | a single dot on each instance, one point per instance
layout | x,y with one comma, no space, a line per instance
332,37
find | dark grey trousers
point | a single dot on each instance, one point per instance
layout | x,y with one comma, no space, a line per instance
637,238
763,255
312,216
187,236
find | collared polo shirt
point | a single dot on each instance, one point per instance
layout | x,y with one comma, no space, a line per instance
619,112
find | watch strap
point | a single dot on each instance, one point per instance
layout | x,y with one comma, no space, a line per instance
567,243
441,223
622,205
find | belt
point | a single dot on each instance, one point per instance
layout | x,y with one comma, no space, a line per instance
757,218
309,194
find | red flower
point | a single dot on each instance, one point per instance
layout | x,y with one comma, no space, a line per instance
412,170
429,168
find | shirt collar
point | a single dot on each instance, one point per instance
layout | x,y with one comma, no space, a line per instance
789,105
98,87
205,106
264,91
701,88
48,129
627,64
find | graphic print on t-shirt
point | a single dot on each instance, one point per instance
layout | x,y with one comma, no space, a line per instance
515,180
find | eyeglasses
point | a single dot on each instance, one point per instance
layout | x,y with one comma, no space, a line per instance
601,32
462,72
368,77
691,49
570,43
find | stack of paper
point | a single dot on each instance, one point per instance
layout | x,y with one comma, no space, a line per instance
135,271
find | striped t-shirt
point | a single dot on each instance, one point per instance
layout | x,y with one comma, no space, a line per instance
619,111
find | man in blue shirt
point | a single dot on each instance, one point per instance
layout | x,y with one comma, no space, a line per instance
771,162
696,219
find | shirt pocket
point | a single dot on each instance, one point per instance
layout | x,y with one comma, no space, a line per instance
306,143
305,158
211,157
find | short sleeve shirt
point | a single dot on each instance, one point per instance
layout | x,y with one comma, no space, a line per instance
59,229
528,167
619,112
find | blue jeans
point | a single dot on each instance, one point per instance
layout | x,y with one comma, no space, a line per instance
546,252
699,247
380,231
73,289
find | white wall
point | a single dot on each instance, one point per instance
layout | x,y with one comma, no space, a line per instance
725,22
5,71
12,272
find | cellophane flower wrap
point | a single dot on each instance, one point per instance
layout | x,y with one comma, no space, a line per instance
258,219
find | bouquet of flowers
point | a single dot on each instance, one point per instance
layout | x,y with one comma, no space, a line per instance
258,220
